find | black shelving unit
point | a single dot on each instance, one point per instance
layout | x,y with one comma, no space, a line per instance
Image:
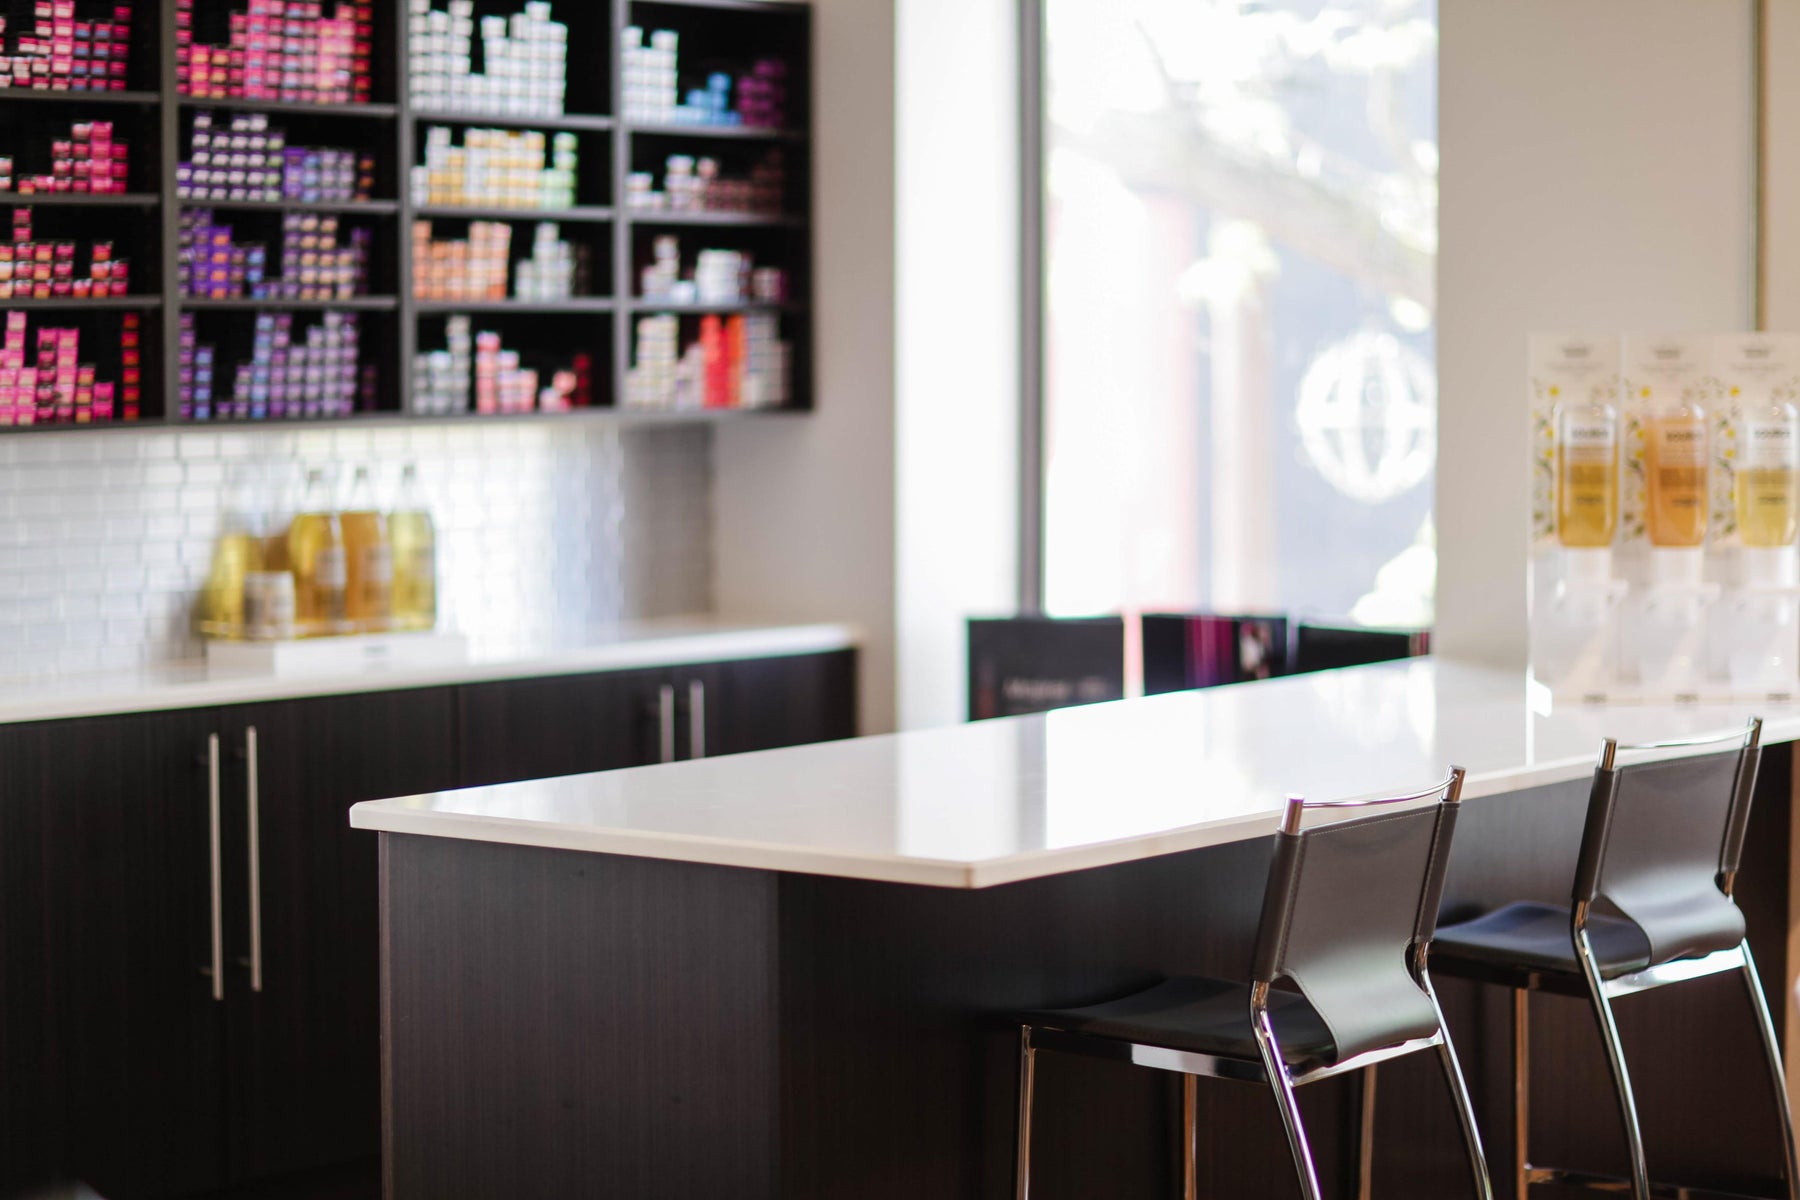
567,122
345,207
580,214
81,200
715,35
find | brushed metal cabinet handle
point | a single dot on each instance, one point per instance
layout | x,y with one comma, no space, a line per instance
665,718
217,970
696,719
253,806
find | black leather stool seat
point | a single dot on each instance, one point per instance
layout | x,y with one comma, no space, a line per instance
1536,937
1200,1016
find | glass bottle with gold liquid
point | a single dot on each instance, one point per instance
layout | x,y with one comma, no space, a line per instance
1767,490
369,588
415,556
1587,475
315,545
1677,503
236,556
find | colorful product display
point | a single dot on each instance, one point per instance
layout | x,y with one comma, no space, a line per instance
502,385
480,366
285,50
248,160
697,185
555,271
472,268
45,270
476,268
1667,505
88,160
314,265
61,53
735,362
496,168
524,55
719,277
293,371
55,387
441,379
652,88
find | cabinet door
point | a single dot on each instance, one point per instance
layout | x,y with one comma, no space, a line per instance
767,703
32,1093
563,725
304,1077
141,1035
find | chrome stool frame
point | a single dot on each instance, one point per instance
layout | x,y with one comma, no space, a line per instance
1283,941
1592,980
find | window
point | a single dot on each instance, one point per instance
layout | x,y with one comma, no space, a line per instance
1240,228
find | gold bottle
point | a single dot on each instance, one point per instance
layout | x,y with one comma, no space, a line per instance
316,556
415,557
284,503
1768,502
236,555
1676,503
369,584
1587,475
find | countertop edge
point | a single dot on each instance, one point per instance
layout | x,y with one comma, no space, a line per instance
375,816
729,643
392,816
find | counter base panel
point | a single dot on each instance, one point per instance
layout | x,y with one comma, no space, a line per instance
562,1023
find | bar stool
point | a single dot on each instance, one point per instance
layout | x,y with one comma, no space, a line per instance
1347,917
1652,905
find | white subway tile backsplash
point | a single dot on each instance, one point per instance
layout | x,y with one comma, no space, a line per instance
121,604
106,539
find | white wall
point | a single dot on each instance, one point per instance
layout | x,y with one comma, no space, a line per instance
956,340
804,509
1597,167
1782,250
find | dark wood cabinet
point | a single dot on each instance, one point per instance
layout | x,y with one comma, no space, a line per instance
767,703
561,725
119,1064
32,1094
304,1081
140,1030
567,725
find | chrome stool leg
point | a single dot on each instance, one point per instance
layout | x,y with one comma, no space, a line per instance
1777,1073
1459,1095
1190,1138
1465,1113
1521,1093
1022,1143
1615,1054
1365,1143
1282,1084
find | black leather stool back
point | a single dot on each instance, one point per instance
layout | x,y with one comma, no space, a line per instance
1349,907
1662,845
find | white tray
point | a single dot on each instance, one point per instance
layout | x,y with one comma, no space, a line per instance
337,655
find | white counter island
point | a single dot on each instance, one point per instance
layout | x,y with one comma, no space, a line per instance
790,973
995,802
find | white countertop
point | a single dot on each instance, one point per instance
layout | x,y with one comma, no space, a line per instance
998,801
665,642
